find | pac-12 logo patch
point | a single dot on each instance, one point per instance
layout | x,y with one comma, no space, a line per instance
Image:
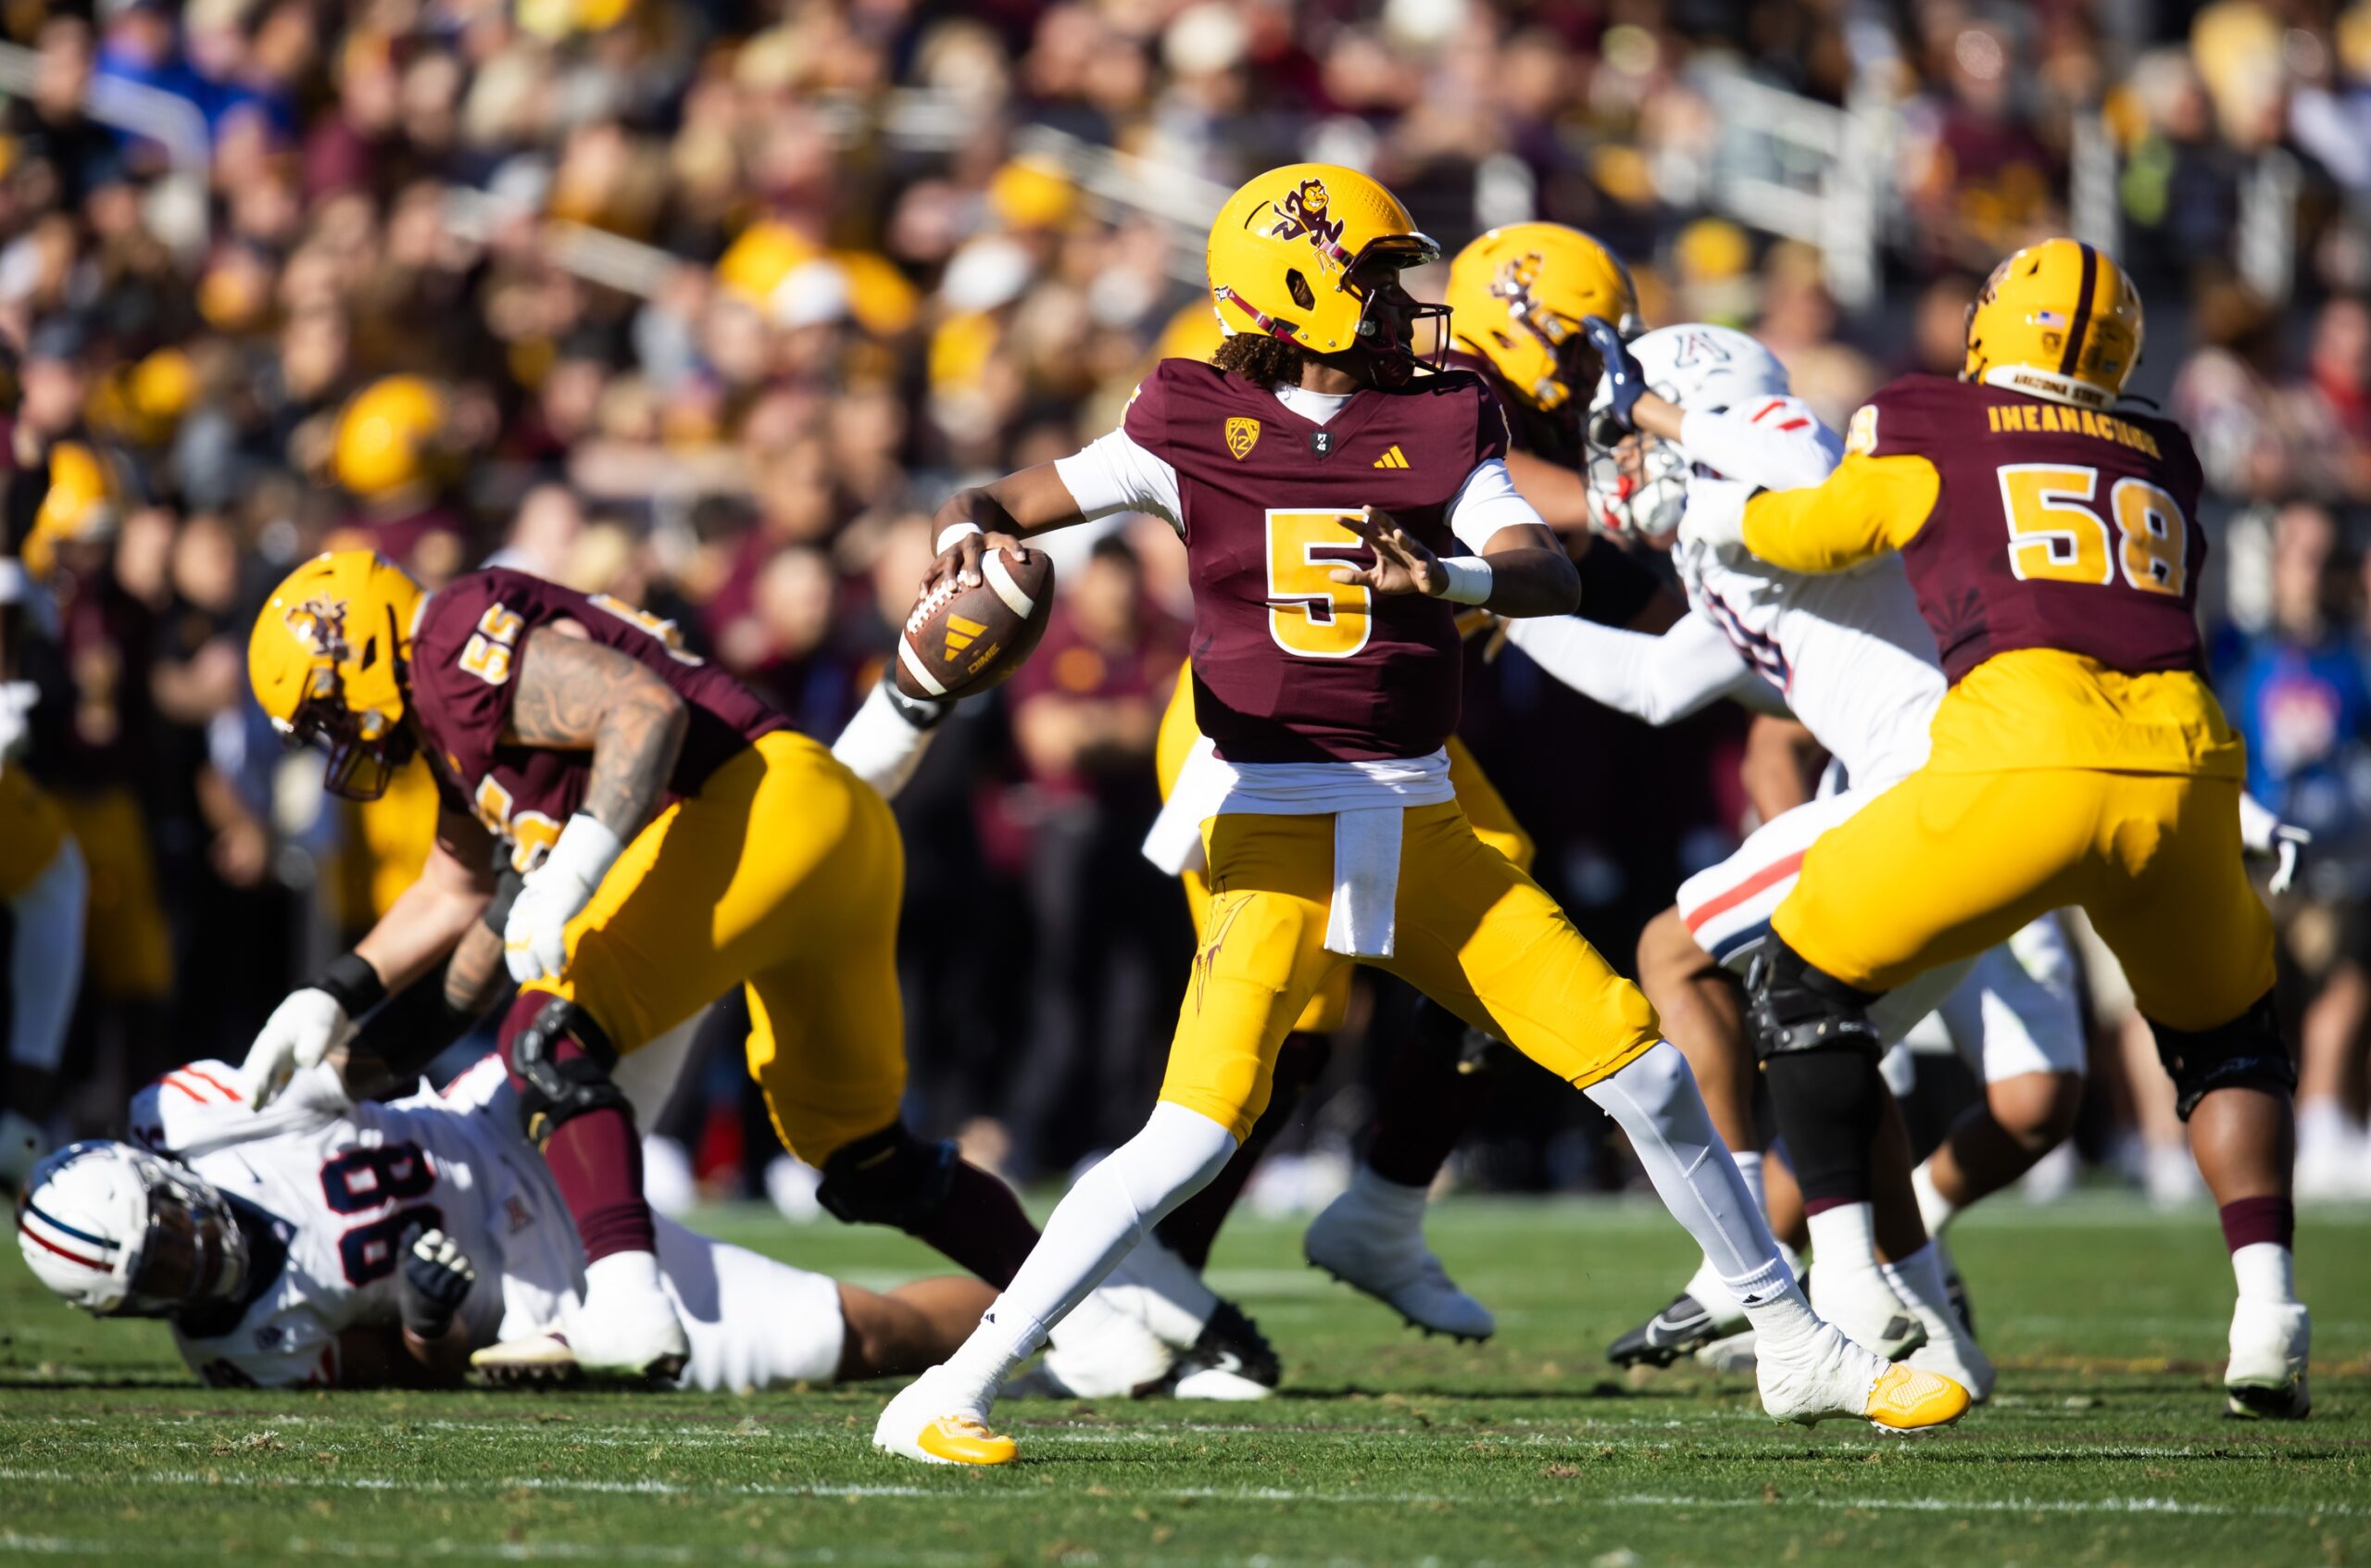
1242,435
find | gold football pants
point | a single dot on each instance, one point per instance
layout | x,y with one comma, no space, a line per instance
129,953
785,875
1944,865
1474,933
1493,823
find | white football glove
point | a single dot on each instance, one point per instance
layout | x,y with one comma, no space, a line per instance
535,939
16,699
298,1035
2263,832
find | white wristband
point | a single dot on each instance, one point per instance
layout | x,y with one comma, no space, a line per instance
954,532
1469,579
583,852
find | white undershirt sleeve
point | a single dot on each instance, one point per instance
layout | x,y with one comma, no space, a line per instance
1763,452
1486,502
1113,473
1658,679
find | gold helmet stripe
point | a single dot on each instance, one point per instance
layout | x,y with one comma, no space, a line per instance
2082,322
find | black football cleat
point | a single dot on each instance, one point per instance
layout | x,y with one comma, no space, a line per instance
1232,1359
1680,1329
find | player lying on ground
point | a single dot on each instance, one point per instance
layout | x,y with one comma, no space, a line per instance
327,1243
1326,676
2079,758
676,840
1517,296
1850,657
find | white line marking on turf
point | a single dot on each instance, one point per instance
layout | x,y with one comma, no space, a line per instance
2138,1506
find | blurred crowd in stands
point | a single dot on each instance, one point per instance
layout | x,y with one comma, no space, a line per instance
707,304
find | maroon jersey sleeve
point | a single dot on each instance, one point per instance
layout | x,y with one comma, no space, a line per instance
2053,527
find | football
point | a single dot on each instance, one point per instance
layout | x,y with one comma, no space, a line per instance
959,642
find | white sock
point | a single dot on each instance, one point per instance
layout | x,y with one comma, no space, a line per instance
1748,1162
1655,1101
2266,1271
1933,1206
1844,1237
1109,1210
627,1274
1918,1280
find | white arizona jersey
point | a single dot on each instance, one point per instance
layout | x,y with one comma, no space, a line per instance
1849,652
338,1184
338,1190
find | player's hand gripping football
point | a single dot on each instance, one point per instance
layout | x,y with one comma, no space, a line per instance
299,1033
960,562
434,1281
1402,564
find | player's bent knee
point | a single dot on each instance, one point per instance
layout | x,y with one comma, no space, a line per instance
2037,1110
564,1058
1793,1006
887,1178
2246,1053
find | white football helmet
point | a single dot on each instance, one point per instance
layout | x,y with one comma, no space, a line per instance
115,1230
1639,481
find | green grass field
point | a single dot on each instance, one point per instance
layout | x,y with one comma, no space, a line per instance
2105,1445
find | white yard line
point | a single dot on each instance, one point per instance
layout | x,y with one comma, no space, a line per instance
2144,1506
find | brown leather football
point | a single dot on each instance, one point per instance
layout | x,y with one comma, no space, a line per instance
959,642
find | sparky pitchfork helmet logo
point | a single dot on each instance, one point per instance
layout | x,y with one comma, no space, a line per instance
320,624
1302,213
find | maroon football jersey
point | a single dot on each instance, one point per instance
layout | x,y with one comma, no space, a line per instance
1288,665
463,657
2055,527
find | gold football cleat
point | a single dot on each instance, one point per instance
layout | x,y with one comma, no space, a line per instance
1908,1398
963,1439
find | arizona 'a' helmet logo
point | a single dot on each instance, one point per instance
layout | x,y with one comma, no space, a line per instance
1302,212
320,624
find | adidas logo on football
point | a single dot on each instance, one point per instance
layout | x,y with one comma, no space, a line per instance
959,634
1394,458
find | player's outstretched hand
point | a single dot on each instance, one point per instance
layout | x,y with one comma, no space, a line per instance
298,1035
434,1281
1402,564
1623,378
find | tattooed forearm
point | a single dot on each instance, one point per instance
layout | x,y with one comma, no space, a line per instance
575,695
475,974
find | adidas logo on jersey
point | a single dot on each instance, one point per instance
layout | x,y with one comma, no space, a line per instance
960,633
1394,458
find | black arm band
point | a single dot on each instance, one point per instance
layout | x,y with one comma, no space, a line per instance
1615,585
354,983
414,1029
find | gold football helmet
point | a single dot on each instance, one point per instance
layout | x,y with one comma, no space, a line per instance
1301,252
83,506
1516,297
2059,320
327,660
388,437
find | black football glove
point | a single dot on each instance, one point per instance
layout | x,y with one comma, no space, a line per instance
1623,378
436,1281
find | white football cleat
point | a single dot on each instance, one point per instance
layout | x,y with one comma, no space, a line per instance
936,1422
626,1324
2266,1377
1871,1314
1822,1374
538,1358
1961,1359
1735,1354
1101,1351
1371,1239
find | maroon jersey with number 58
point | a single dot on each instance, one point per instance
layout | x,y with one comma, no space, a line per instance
2040,507
1290,666
463,657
